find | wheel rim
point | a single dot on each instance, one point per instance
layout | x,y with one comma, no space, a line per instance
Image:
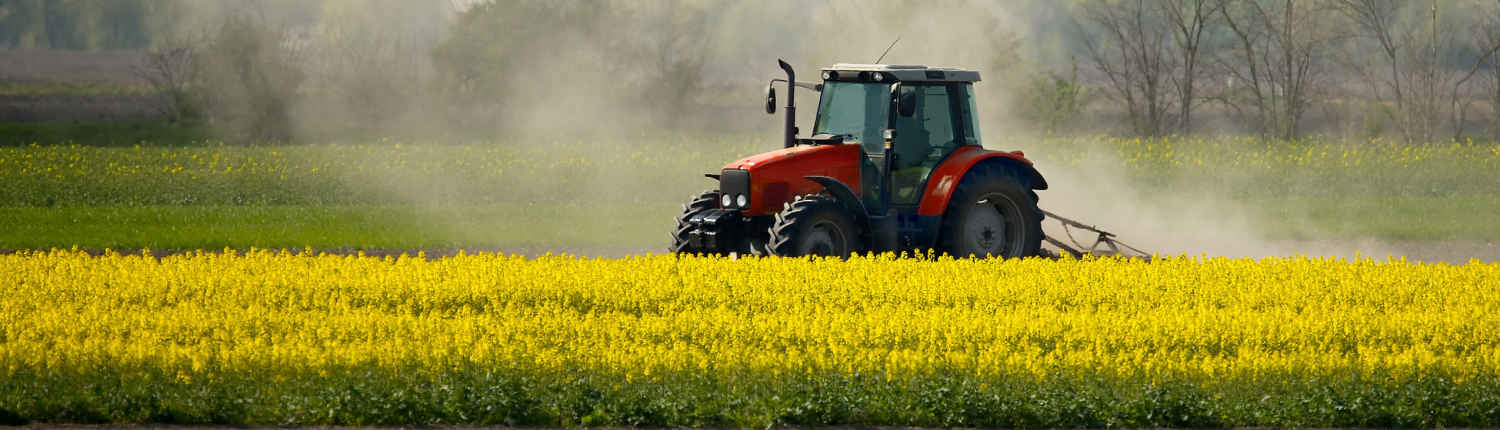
990,228
823,239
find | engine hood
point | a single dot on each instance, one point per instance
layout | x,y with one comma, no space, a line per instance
840,153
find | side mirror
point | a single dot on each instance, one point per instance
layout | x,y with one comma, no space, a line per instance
771,99
906,103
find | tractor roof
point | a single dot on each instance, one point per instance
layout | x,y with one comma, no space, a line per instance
901,73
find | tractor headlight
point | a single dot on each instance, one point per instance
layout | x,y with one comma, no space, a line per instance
742,201
727,200
829,75
877,76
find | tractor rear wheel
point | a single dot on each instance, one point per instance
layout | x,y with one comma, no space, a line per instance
707,201
815,225
992,213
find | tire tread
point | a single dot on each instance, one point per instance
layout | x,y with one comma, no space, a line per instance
708,200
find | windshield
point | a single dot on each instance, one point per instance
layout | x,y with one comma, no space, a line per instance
859,111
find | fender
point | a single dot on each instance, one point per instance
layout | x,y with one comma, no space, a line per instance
847,196
945,178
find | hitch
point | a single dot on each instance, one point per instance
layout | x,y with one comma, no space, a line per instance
1105,239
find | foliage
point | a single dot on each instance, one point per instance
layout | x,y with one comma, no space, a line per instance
276,338
610,64
167,68
371,76
1052,103
492,43
249,77
92,25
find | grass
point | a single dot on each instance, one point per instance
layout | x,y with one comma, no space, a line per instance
617,226
335,227
1385,218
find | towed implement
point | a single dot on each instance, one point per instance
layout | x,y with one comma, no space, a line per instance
894,163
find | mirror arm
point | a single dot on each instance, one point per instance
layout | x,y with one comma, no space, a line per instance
808,85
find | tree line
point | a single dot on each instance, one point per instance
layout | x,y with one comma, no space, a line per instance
497,66
1418,70
1411,69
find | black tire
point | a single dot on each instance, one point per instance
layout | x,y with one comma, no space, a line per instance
815,225
707,201
992,213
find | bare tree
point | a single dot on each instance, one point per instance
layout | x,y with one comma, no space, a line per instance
1486,39
1486,44
1278,56
1131,45
367,70
249,75
167,68
1193,24
670,57
1412,70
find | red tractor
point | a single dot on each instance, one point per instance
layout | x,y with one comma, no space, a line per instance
893,163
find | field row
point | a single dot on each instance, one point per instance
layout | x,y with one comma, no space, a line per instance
616,226
667,169
273,338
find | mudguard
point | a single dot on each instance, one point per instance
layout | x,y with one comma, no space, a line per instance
945,177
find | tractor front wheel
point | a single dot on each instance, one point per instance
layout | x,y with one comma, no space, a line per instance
705,202
816,225
992,213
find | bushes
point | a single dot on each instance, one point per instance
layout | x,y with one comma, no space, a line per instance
249,77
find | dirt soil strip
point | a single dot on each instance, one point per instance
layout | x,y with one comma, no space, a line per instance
101,108
116,67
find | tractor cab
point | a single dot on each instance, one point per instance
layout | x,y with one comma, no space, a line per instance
893,163
930,112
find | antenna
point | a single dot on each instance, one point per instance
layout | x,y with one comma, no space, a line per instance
887,50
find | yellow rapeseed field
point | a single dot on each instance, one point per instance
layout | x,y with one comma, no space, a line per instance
1206,319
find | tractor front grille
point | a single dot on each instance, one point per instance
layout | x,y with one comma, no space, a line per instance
735,183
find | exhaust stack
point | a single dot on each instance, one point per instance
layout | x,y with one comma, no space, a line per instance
790,139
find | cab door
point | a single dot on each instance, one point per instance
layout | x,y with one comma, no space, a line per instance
925,138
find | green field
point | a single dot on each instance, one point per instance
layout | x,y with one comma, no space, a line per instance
336,227
623,194
618,226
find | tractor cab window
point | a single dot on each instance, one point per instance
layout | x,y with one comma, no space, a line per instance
924,139
969,117
858,111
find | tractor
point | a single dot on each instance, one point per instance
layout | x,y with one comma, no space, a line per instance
894,163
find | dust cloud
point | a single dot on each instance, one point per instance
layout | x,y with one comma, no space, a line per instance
1097,192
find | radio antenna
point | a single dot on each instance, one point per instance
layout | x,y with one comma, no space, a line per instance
887,50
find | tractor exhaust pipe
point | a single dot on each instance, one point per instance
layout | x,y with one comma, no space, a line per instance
790,139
